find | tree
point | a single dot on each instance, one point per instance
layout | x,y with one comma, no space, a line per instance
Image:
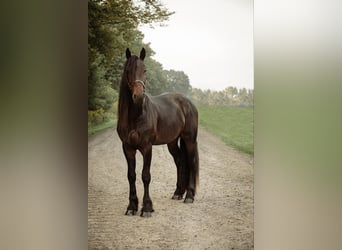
112,27
100,94
177,81
230,92
112,23
156,80
196,95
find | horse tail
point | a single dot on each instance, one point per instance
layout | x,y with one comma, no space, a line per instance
195,167
190,165
184,164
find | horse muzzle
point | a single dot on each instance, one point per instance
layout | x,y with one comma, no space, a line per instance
137,99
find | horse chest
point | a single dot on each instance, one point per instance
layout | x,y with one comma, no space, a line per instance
133,138
140,138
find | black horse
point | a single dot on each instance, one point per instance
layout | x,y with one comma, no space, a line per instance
146,120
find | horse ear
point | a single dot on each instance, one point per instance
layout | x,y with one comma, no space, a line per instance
128,53
142,54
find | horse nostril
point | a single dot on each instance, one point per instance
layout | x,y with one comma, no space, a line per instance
134,96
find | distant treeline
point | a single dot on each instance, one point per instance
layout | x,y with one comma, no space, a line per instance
229,96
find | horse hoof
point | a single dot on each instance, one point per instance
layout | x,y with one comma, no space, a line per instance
188,200
146,214
131,212
177,197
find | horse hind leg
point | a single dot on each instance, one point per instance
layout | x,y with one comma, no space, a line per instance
179,160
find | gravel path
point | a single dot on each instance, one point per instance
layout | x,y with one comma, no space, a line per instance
220,218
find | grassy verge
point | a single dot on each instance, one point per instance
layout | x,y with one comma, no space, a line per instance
234,125
94,129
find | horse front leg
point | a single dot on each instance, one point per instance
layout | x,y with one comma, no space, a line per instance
147,208
133,199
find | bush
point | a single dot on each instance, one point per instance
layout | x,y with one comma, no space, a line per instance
96,117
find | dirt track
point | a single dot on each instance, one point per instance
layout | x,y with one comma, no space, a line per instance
220,218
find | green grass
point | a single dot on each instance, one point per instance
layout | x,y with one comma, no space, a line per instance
234,125
94,129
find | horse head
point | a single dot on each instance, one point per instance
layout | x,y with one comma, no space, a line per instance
135,71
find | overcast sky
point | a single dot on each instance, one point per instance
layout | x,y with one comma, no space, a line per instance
211,41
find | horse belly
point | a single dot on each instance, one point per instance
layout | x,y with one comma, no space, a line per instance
165,136
171,122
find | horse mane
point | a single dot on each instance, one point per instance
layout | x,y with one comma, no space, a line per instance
125,100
